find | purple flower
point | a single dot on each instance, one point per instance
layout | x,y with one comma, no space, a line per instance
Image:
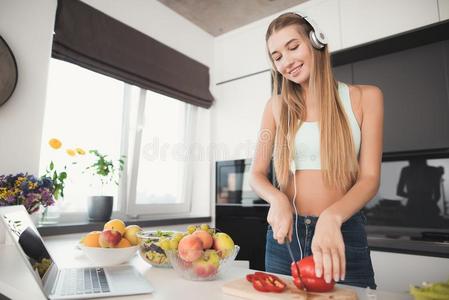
10,200
27,190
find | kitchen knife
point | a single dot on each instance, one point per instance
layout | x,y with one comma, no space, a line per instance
287,242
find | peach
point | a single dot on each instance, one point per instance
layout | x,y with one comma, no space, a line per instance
207,265
223,244
124,243
109,238
190,248
91,239
205,237
117,225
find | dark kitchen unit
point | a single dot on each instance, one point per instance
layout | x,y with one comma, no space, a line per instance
240,212
410,213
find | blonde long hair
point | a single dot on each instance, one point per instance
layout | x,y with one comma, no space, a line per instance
338,157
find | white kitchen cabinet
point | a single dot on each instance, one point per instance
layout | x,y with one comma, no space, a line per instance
326,15
443,7
396,271
237,114
240,52
243,51
367,20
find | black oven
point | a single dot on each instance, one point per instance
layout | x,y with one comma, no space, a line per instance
232,183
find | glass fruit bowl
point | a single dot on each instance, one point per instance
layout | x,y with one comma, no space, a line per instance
150,249
201,264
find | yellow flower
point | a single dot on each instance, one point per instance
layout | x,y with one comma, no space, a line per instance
70,152
32,185
80,151
55,143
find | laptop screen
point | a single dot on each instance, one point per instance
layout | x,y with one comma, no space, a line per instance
27,237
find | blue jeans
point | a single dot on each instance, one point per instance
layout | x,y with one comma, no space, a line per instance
359,269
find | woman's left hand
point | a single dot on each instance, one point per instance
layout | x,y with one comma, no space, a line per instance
328,248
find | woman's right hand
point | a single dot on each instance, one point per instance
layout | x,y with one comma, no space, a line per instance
281,220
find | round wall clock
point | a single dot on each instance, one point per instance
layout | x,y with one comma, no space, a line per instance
8,72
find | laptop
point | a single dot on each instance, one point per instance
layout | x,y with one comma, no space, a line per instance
68,283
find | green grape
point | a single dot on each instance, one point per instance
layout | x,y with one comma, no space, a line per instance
177,236
441,287
191,228
174,244
204,227
164,244
435,291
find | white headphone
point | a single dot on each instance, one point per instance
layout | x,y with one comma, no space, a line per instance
316,35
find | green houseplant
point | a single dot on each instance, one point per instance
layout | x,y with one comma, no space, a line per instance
107,171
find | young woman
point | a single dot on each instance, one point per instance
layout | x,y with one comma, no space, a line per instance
325,138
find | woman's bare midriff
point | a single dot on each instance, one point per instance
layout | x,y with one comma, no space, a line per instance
312,195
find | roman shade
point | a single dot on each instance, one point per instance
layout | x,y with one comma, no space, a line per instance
89,38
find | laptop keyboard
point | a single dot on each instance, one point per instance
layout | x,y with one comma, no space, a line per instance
84,281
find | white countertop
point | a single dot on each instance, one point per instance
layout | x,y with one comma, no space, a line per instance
167,284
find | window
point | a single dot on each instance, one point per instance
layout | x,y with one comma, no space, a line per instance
88,110
84,110
160,181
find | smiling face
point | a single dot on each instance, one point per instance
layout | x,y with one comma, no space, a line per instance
291,54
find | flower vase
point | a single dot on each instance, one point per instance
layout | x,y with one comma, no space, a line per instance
2,234
35,217
50,215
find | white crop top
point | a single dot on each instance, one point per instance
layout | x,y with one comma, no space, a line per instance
307,140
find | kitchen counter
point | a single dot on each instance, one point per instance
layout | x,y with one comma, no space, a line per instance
404,244
167,284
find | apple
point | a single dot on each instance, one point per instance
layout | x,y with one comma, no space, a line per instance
205,237
223,244
131,232
109,238
115,224
207,265
190,248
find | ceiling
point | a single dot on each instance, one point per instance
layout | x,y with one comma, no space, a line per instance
219,16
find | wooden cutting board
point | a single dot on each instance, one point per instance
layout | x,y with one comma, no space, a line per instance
244,289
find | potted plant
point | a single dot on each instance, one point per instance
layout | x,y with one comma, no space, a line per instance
108,171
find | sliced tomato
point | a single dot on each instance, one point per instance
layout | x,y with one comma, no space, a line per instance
250,277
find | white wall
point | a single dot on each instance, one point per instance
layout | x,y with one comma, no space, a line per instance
443,6
27,27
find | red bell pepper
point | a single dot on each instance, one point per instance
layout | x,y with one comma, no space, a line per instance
307,278
264,282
